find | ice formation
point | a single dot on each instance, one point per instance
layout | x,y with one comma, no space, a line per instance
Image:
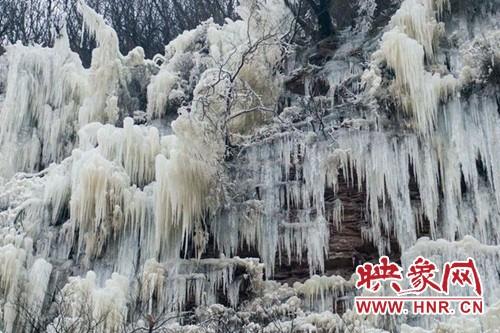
323,291
37,131
86,306
119,216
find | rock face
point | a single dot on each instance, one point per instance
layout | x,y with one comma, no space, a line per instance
234,183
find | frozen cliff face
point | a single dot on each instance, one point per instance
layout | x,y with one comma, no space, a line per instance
167,194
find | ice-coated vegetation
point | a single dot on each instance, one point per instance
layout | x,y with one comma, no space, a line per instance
167,194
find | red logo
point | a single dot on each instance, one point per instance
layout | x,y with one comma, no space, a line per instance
421,276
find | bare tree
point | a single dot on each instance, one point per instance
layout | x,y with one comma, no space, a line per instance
55,315
147,23
313,13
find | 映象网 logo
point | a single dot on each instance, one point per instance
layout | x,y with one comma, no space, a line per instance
421,277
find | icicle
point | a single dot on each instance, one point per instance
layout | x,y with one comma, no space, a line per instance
310,237
415,86
321,292
12,260
11,263
233,293
133,147
338,213
160,92
416,19
382,164
107,40
106,72
57,191
184,181
44,89
97,200
153,279
37,287
404,49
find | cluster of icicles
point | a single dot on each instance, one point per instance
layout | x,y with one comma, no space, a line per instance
123,203
130,205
